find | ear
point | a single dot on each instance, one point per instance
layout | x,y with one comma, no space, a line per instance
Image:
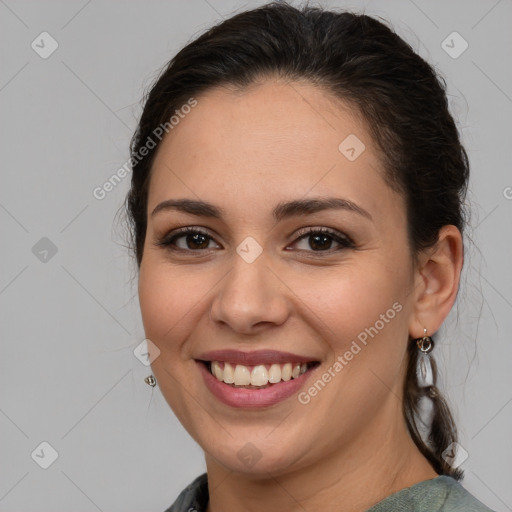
436,282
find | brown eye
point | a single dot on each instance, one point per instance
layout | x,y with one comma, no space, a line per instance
321,240
196,241
318,240
187,239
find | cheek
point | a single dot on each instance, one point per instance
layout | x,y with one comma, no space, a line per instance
351,301
174,303
166,300
362,319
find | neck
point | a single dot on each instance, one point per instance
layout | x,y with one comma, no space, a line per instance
376,464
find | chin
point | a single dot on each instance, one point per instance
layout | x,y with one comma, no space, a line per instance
255,459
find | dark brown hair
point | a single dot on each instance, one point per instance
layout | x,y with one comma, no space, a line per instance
366,64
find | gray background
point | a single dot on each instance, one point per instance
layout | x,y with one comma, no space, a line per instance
70,320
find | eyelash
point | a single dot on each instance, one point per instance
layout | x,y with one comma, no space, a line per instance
344,241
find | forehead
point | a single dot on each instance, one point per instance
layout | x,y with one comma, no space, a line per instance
267,142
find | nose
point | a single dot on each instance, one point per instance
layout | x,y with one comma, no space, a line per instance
251,297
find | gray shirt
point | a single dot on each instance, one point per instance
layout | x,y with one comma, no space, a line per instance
441,494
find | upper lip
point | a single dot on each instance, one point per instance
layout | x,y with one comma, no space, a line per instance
254,357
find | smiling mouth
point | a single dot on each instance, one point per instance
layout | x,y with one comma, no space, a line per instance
259,376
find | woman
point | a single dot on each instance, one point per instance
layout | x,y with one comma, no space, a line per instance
297,212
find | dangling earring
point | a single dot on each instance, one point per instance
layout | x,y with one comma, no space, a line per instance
424,370
150,381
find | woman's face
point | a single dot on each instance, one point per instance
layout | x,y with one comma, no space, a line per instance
260,277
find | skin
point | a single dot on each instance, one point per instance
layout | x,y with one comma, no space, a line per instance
245,152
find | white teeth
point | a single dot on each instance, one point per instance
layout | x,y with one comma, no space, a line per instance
217,370
228,375
274,374
242,375
286,372
259,376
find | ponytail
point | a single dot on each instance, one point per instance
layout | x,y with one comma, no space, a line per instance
441,432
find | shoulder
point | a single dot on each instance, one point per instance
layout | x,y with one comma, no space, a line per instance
194,498
458,498
441,494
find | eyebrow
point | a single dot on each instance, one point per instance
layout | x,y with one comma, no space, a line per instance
280,212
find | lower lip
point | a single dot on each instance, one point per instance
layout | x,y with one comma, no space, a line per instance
252,398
